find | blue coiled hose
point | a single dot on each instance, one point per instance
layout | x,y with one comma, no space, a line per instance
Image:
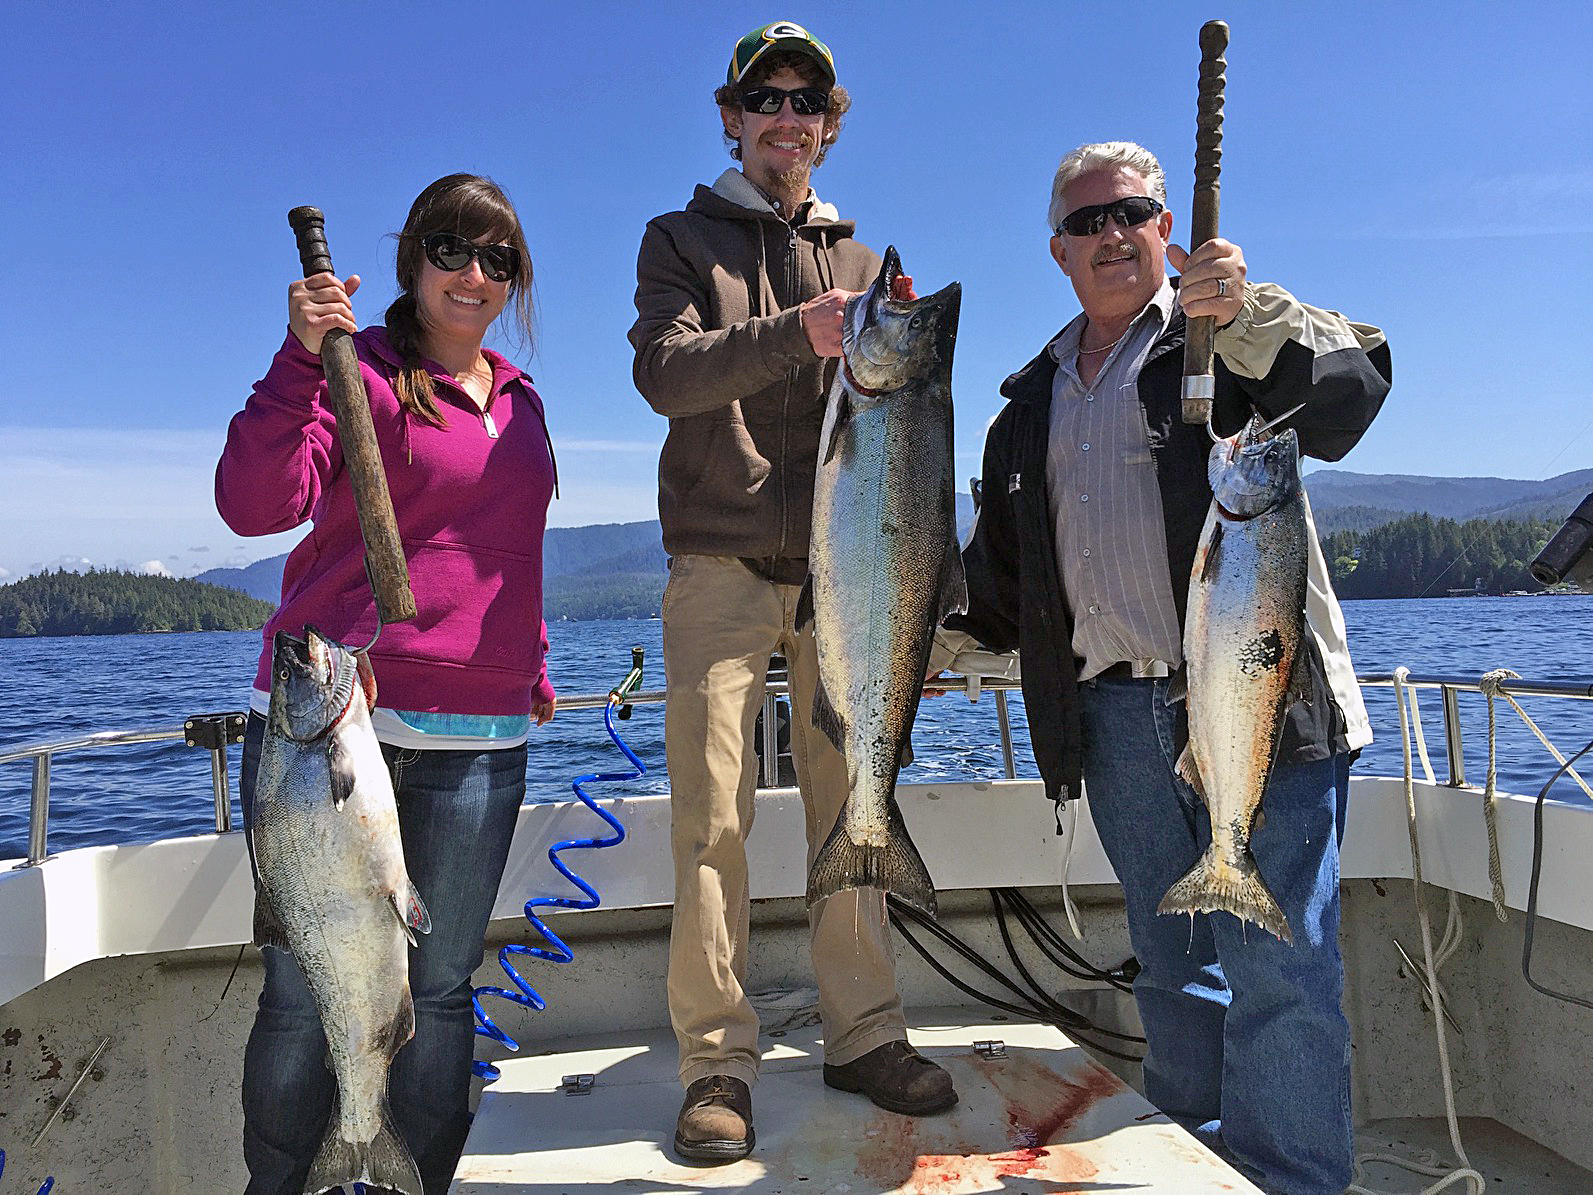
48,1183
555,950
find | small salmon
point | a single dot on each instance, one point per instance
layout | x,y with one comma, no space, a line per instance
1244,639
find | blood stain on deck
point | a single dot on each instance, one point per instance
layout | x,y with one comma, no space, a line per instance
1038,1106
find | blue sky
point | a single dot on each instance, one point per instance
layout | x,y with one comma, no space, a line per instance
1425,168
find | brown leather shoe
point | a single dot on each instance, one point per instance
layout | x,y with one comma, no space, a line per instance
897,1078
715,1122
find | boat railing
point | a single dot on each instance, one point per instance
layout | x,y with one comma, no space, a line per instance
215,732
1450,688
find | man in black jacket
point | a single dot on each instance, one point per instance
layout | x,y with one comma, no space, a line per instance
1094,494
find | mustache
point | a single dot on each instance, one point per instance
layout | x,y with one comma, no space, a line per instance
1117,251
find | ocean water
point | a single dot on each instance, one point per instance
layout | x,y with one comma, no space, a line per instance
59,688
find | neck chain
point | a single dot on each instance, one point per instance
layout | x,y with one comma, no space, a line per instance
1084,352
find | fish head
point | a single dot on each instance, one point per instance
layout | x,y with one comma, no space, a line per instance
1254,471
887,343
313,680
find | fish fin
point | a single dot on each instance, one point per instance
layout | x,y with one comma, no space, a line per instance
843,416
341,767
400,1029
827,720
411,911
1189,772
804,609
904,758
1208,554
268,929
382,1162
953,584
1214,885
896,867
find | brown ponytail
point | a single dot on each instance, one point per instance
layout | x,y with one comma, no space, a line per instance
412,383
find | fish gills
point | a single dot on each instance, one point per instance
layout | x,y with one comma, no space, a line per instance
1244,648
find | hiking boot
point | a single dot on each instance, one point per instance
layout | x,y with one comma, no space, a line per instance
897,1078
715,1122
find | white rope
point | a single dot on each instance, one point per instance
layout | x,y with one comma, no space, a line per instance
1542,738
1421,737
1068,834
1465,1172
1491,685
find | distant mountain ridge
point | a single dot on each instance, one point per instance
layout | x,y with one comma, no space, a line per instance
1360,501
617,570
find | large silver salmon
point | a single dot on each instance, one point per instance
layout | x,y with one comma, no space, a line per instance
1244,636
884,569
333,890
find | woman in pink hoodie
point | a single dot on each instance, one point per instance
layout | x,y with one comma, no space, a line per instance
469,464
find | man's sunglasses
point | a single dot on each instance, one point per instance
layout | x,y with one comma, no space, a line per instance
805,101
451,252
1129,212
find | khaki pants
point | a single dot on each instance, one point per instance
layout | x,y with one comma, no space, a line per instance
721,623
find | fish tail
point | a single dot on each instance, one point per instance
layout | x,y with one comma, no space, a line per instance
383,1162
1214,885
896,867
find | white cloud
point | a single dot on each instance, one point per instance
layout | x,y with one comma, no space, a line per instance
72,564
154,568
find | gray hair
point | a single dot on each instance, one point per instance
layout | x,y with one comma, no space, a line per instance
1106,155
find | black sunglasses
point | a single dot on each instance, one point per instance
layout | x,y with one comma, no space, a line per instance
805,101
451,252
1129,212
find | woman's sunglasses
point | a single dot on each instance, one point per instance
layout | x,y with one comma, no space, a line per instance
451,252
1129,212
766,101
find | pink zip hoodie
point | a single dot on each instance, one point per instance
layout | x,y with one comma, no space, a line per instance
471,501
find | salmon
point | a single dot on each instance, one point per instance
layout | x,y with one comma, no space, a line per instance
332,889
1244,648
884,569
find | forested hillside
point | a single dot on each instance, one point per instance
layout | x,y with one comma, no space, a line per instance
109,602
1421,556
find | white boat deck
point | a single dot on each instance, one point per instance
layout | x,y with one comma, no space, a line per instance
1043,1118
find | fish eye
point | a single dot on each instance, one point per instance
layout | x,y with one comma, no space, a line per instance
916,322
283,675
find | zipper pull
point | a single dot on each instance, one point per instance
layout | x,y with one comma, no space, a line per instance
486,422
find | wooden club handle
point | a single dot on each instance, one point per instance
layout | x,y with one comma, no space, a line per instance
1199,382
384,551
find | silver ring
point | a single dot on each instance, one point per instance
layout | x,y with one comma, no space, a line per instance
1222,287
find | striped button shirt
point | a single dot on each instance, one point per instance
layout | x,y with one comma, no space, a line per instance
1110,541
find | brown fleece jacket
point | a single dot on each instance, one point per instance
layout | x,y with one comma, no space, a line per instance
720,350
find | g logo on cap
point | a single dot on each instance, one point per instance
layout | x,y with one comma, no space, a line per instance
784,35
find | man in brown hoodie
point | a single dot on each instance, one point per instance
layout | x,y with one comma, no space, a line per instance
739,301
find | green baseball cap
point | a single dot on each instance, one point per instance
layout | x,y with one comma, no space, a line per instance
780,35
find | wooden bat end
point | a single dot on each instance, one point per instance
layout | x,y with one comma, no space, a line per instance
1214,37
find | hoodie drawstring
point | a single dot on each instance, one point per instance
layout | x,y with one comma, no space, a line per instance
765,287
826,267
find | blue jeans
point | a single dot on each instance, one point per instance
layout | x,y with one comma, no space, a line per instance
1248,1045
456,813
